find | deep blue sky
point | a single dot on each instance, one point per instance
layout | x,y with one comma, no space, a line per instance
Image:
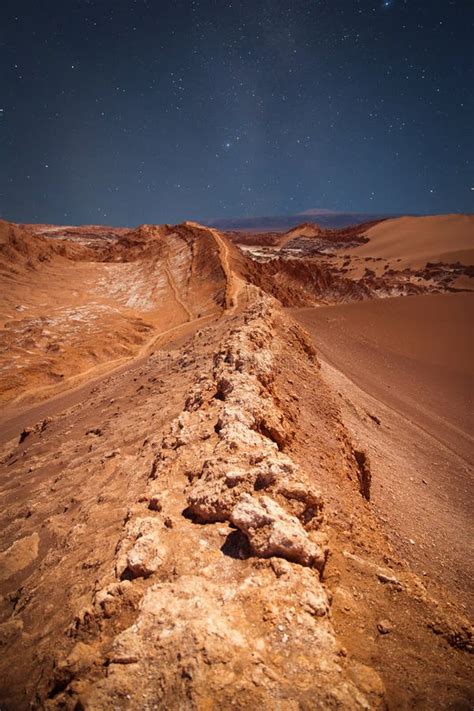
132,111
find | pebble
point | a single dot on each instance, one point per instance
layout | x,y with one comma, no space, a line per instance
391,580
384,626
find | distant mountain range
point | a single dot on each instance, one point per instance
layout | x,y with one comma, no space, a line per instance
282,223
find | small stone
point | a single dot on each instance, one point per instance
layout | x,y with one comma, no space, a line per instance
112,453
45,423
95,431
280,567
389,579
384,627
315,602
25,433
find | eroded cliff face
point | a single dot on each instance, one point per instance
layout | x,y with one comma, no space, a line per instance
74,306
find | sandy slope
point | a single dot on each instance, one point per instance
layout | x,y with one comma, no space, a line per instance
409,363
417,240
415,353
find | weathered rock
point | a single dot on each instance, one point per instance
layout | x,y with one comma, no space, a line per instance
364,474
310,501
155,503
126,648
145,557
109,600
273,426
389,580
95,431
193,640
112,453
25,433
141,552
224,388
273,532
232,414
212,497
315,602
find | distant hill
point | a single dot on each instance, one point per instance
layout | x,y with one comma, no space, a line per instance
283,223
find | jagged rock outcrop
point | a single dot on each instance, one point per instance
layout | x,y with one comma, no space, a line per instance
141,551
248,460
195,643
271,531
298,282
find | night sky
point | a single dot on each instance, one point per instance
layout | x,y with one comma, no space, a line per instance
130,111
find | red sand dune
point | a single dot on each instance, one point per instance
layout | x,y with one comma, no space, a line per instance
417,240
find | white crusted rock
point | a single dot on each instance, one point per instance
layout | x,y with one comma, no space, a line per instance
271,531
145,557
141,552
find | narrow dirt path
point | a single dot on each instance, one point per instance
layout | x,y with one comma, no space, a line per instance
15,418
234,284
175,291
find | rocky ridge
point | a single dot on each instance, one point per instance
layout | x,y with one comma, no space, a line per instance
215,640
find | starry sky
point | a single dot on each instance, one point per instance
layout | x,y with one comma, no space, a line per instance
129,111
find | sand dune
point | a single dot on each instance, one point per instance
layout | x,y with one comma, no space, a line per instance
417,240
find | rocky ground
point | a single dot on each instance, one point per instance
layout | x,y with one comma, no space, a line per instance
196,528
